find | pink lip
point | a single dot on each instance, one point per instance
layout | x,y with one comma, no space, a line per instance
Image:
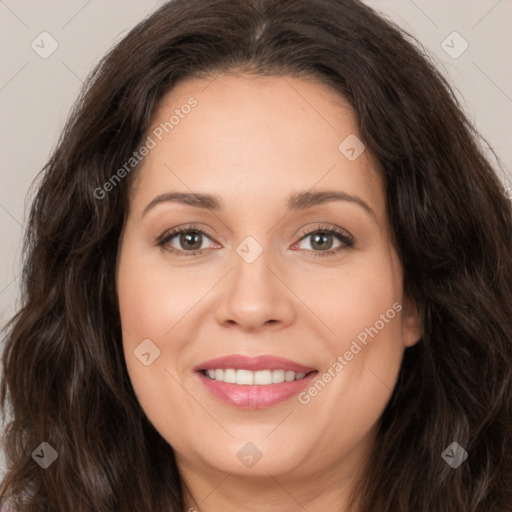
242,362
255,396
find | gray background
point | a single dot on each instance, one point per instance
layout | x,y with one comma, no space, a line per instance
36,94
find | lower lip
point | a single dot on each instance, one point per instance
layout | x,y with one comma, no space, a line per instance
255,397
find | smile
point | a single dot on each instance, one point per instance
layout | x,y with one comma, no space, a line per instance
254,382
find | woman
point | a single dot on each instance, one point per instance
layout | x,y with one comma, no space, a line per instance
336,335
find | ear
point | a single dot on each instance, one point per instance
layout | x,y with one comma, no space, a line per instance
411,322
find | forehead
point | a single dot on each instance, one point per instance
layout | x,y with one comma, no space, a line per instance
254,139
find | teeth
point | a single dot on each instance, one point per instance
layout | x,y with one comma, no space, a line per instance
277,376
229,376
263,377
243,377
248,377
289,376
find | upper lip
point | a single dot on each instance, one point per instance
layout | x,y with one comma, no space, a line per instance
266,362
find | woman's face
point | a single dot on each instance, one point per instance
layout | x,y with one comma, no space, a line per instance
269,281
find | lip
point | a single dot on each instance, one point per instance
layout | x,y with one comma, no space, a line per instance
242,362
254,396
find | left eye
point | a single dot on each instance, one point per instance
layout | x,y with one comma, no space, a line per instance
321,240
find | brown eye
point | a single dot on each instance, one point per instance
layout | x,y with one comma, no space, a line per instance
322,241
189,241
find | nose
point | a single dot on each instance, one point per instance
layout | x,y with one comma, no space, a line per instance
256,295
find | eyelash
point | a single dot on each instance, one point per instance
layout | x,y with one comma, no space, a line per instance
346,240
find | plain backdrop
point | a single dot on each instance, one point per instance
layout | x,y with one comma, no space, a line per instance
37,93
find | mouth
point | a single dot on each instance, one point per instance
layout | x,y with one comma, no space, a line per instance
254,382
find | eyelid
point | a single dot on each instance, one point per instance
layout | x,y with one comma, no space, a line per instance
321,227
170,233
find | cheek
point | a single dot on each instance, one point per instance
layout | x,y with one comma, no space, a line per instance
154,299
361,365
151,304
362,354
354,297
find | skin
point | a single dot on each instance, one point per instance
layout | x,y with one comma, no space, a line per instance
254,141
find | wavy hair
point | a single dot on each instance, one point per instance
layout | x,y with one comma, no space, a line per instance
65,380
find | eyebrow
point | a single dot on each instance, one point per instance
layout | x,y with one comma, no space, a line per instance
298,201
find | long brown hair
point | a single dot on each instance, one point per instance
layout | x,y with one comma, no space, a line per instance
65,380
